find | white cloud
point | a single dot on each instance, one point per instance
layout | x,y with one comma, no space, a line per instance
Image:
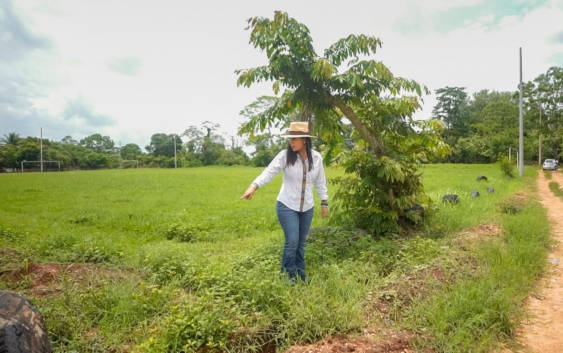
478,56
442,5
126,65
177,59
509,21
487,19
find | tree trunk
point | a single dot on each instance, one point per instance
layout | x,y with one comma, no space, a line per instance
307,116
375,146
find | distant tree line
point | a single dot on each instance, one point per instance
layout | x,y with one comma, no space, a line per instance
204,147
483,126
480,127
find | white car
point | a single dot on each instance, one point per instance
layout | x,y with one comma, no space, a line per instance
550,164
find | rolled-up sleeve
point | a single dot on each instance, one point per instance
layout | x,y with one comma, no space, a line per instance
273,169
320,183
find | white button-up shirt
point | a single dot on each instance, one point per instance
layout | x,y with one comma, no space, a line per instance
297,188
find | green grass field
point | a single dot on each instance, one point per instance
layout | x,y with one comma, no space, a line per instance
176,262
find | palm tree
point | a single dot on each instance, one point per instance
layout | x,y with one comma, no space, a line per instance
11,138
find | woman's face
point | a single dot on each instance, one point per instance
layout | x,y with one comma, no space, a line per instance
297,144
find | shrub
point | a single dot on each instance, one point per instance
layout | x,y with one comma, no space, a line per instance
377,189
90,252
164,267
181,232
332,245
506,167
511,206
204,325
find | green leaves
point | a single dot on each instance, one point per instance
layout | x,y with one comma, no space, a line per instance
258,74
375,192
322,69
351,47
270,116
281,36
382,179
11,138
317,89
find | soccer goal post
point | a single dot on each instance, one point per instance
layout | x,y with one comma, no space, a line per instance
133,161
39,162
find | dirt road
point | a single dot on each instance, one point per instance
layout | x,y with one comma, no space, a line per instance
544,331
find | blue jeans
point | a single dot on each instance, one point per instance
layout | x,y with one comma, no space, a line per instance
295,228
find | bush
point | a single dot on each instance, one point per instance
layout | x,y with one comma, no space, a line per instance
90,252
511,206
164,268
506,167
332,245
376,191
181,233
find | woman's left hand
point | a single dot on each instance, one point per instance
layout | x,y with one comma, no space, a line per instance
324,211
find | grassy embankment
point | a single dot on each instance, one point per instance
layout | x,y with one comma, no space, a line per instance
182,263
555,189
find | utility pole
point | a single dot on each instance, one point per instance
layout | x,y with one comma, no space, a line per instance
41,153
232,142
175,162
539,154
521,146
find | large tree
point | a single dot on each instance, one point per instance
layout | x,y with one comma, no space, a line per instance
543,110
131,151
313,83
68,140
547,99
30,148
197,136
382,179
9,156
482,127
163,145
452,109
97,143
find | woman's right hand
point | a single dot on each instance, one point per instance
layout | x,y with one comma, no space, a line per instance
248,193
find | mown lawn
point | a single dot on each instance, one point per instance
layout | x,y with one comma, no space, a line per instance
172,260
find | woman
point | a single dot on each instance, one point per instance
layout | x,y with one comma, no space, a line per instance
302,168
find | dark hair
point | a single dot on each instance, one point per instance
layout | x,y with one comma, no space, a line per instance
292,156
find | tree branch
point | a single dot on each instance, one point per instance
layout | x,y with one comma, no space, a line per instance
375,146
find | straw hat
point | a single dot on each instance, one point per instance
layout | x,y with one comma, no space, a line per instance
298,129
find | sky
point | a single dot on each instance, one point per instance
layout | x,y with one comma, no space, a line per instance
133,68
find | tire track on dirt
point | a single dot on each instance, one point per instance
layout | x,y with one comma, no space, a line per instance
543,332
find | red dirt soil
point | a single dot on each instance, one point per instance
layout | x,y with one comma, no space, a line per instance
45,279
377,340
